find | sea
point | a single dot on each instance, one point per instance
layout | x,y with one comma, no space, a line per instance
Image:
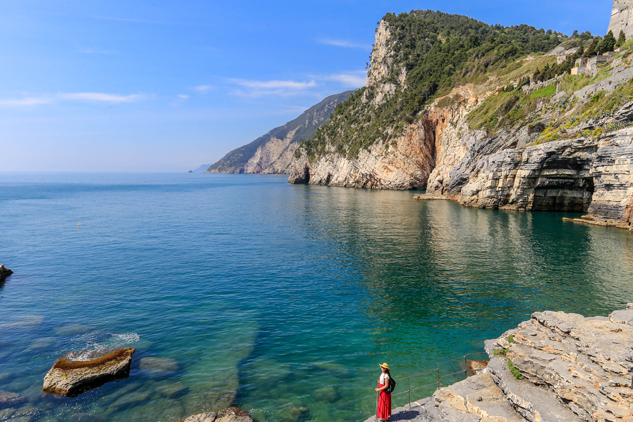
244,290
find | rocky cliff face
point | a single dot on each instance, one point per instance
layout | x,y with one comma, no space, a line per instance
273,152
501,172
405,165
622,18
562,153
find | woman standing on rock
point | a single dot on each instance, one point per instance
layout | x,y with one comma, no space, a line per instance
384,400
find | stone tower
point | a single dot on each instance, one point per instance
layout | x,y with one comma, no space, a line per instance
622,18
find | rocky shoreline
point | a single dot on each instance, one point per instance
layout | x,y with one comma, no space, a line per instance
555,367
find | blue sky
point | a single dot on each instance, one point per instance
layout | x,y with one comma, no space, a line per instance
166,85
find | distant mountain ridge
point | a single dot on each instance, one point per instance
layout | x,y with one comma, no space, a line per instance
273,152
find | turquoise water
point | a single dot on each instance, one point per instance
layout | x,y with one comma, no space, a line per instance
280,299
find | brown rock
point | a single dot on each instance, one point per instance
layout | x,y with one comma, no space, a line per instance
80,371
4,272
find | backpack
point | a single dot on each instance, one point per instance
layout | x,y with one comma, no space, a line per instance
392,385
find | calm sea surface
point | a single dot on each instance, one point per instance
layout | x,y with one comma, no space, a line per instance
280,299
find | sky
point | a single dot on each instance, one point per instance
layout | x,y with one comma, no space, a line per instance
165,86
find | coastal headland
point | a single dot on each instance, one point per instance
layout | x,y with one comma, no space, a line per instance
512,118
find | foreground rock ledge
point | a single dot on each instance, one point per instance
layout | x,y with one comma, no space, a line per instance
232,414
80,371
567,368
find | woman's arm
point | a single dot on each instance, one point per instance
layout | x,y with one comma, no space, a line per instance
385,386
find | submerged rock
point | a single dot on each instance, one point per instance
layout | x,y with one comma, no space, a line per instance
232,414
80,371
8,399
158,365
72,329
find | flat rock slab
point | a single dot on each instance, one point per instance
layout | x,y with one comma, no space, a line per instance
80,371
430,197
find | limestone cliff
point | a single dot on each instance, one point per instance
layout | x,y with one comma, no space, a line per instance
506,142
622,18
273,152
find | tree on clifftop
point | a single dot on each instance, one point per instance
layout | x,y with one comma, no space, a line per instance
608,44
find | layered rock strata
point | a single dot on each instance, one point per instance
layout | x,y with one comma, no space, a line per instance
80,371
556,367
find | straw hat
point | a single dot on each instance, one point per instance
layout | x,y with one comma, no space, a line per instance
384,365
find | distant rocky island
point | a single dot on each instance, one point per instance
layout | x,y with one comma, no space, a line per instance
273,152
489,116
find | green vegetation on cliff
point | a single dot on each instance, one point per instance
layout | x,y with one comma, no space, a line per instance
436,51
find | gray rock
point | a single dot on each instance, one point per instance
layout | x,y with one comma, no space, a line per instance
299,175
625,113
80,371
203,417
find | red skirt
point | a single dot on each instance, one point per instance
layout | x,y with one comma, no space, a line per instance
384,404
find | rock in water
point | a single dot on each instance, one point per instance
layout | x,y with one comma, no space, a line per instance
4,272
80,371
232,414
158,365
8,399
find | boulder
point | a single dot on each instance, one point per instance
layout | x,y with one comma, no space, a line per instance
80,371
232,414
4,272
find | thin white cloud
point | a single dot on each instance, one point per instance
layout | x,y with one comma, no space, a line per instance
344,44
274,84
24,102
77,96
352,80
183,96
203,89
252,88
102,97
